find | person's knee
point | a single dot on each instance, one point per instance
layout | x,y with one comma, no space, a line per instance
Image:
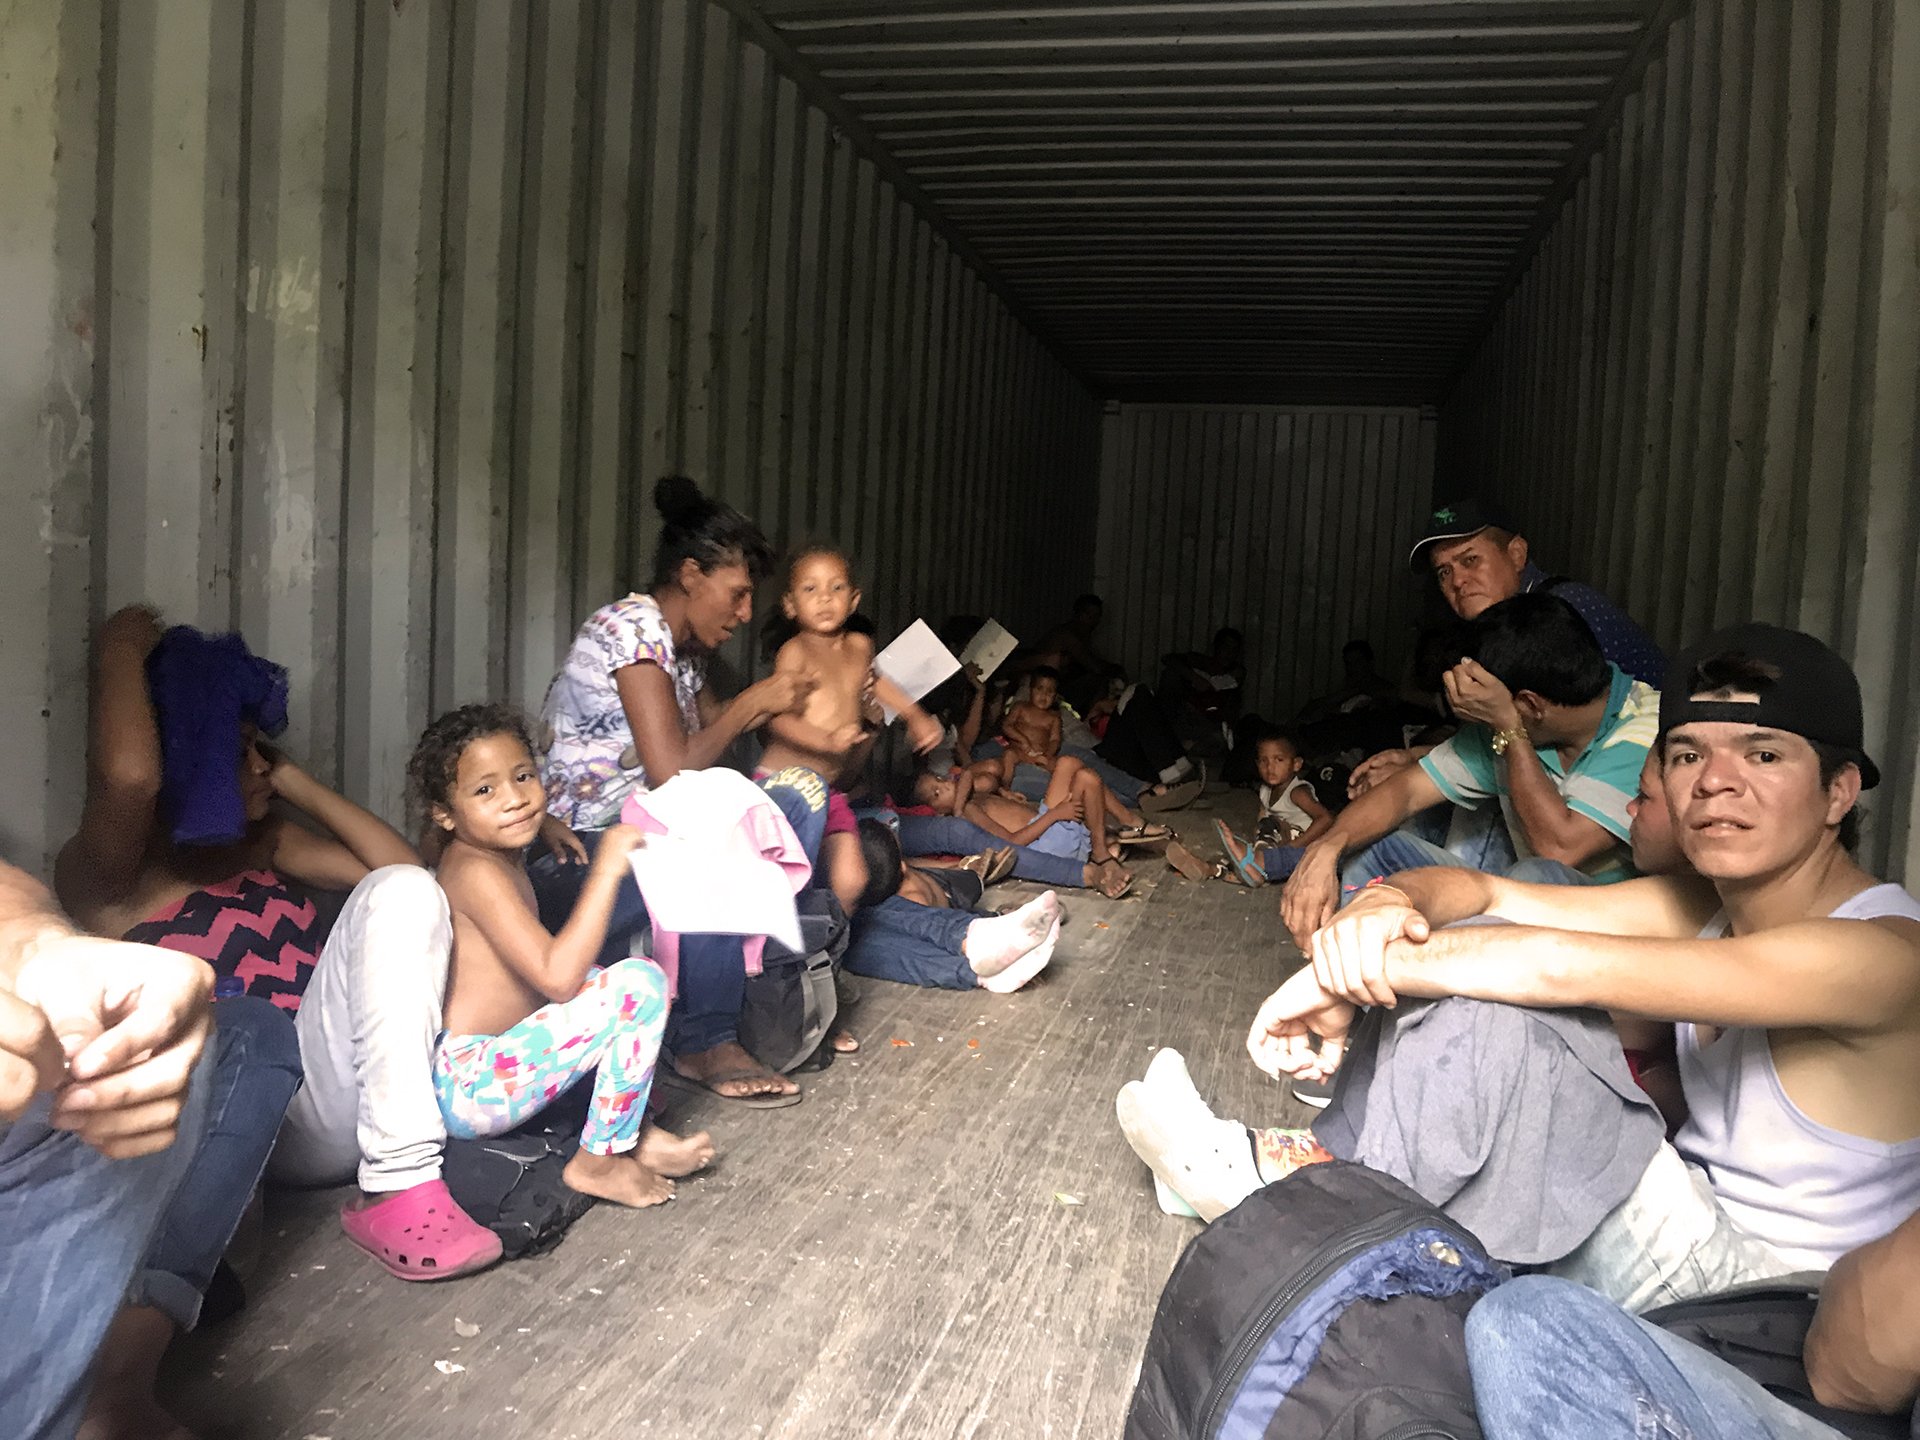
256,1032
1532,1319
638,979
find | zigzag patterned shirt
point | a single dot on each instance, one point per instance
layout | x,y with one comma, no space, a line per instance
252,926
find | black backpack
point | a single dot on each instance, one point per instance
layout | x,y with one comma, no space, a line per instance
511,1183
791,1004
1761,1330
1331,1304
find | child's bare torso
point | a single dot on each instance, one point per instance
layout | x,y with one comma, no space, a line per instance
840,666
1034,731
484,994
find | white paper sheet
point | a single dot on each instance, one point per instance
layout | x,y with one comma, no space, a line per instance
676,874
989,648
916,662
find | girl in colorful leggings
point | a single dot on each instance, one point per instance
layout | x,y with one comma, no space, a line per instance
528,1014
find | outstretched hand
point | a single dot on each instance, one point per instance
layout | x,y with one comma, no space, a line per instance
131,1021
925,732
1300,1031
1375,769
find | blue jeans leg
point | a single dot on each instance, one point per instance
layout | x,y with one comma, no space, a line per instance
1389,855
73,1225
1549,1357
1281,860
802,798
256,1072
950,835
556,889
912,944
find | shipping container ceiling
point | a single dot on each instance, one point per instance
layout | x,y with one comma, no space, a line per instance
1220,199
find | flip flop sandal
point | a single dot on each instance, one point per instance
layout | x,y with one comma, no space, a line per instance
1004,861
674,1080
1244,865
1175,797
1190,864
1143,835
421,1233
1121,893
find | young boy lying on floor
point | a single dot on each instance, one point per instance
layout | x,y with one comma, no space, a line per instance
1071,821
920,928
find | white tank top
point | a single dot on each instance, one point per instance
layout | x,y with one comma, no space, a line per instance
1283,807
1811,1192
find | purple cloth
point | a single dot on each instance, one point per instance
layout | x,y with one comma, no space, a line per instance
204,688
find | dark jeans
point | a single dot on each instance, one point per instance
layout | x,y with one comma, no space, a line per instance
256,1071
713,968
912,944
951,835
1140,739
73,1226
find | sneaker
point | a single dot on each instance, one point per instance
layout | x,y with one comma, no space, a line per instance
1317,1093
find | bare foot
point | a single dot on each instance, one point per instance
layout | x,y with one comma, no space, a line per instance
844,1042
1115,879
666,1153
728,1070
122,1405
619,1178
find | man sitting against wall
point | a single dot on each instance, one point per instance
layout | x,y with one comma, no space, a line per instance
1553,733
1479,559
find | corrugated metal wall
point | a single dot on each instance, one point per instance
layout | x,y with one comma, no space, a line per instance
1703,393
1291,524
365,327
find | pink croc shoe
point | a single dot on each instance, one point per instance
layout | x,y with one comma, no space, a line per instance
420,1233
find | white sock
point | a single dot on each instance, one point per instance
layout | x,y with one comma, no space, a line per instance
1026,967
995,941
1208,1164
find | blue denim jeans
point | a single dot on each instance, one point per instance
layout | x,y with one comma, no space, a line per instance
1403,850
256,1060
713,971
1549,1357
951,835
73,1226
912,944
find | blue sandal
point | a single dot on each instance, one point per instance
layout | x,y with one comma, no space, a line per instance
1244,865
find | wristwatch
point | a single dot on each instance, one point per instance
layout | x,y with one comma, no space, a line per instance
1504,738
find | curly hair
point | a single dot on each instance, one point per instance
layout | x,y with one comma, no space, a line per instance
436,759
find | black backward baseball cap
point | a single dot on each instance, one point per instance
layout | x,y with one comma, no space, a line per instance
1456,521
1817,695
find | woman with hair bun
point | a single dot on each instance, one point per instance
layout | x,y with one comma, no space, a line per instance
630,709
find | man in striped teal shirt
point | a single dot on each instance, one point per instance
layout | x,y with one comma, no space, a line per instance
1552,731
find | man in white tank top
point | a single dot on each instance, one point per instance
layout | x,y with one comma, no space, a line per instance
1791,974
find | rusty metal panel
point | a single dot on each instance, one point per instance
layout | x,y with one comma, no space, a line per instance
401,308
1742,382
1290,524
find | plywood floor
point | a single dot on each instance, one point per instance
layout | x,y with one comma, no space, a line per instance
892,1257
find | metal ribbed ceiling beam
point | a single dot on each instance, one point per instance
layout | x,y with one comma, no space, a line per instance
1270,199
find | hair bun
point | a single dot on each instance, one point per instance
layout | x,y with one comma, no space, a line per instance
679,500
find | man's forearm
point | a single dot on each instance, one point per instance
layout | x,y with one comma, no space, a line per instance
27,916
1378,812
1446,894
1553,830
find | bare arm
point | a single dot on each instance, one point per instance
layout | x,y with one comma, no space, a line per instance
1320,818
1554,830
660,735
1669,907
359,842
1313,893
1863,1352
102,861
1026,834
555,965
969,731
1861,976
925,731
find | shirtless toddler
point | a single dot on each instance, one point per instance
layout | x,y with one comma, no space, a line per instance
833,732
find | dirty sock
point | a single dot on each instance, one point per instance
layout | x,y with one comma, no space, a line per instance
1026,967
993,943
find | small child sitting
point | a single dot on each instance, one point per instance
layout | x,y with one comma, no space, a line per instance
830,734
528,1015
1030,730
1291,815
918,928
